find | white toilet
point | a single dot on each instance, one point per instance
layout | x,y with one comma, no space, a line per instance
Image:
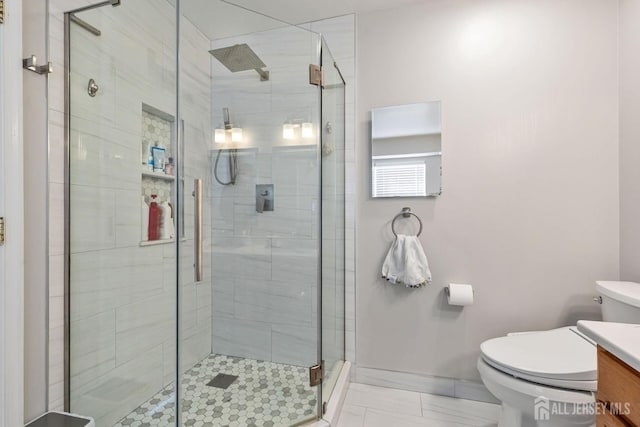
534,373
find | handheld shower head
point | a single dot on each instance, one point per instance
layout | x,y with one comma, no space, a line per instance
231,153
225,118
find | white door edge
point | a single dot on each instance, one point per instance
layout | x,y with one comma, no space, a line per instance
11,208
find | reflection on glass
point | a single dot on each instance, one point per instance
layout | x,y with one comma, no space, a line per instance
406,150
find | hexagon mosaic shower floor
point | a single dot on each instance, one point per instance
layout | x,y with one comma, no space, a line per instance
264,394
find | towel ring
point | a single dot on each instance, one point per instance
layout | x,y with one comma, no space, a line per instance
406,213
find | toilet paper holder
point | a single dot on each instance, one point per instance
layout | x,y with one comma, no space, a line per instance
464,294
447,291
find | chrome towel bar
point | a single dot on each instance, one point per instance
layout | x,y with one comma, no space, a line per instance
406,213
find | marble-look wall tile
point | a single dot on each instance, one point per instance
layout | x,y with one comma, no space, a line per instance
128,219
247,94
241,338
93,350
169,361
94,220
222,210
115,394
102,161
188,307
222,298
294,345
294,260
143,325
273,302
195,345
282,222
292,92
134,275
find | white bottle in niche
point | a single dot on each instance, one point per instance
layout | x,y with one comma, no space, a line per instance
166,228
145,220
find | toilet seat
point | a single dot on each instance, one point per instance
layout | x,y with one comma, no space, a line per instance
562,358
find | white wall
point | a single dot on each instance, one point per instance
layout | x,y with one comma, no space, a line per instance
629,134
529,213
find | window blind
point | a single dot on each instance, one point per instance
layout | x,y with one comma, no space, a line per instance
399,177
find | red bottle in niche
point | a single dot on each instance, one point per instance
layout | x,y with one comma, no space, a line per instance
155,218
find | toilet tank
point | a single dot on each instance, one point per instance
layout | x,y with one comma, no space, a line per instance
620,301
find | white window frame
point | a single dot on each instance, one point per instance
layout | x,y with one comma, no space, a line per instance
11,208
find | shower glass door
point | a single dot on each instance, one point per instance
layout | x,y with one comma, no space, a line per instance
120,212
333,220
249,326
205,216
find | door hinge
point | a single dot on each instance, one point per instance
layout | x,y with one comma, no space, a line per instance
316,375
324,408
316,75
1,231
1,11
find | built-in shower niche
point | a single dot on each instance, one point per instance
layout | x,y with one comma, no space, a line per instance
157,176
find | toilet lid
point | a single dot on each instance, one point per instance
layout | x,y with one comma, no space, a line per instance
556,357
627,292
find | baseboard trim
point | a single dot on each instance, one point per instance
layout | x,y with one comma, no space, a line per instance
451,387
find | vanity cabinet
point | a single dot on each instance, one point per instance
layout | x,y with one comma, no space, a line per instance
618,392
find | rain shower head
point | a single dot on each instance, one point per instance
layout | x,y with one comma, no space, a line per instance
240,57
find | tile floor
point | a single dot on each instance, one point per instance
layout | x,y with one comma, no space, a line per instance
264,394
371,406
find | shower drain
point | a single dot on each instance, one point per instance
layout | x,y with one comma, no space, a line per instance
222,381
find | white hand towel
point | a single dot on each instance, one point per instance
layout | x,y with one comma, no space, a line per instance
406,263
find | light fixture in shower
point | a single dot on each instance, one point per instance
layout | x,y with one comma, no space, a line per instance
228,133
297,130
224,136
307,130
240,57
288,131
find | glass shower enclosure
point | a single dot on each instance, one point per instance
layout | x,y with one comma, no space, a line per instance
205,216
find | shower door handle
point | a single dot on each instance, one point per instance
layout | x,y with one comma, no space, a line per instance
197,194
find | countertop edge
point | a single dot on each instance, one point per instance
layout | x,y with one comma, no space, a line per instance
608,335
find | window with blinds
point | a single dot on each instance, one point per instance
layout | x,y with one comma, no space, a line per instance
399,177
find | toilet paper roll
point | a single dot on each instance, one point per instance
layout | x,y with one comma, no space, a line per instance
458,294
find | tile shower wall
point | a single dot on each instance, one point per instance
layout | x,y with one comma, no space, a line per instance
265,265
128,352
340,35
